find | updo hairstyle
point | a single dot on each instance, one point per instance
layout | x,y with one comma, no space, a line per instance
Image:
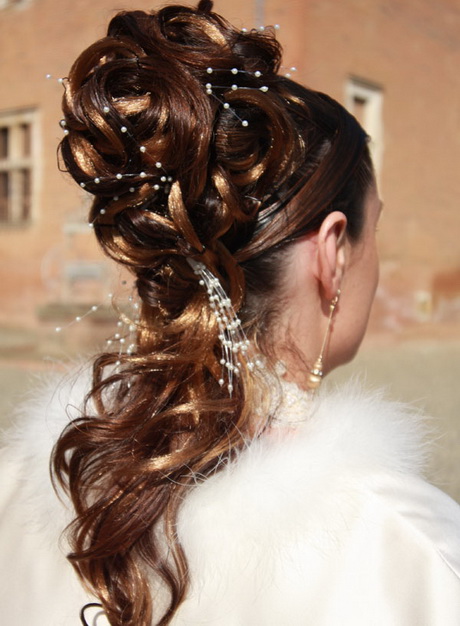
194,146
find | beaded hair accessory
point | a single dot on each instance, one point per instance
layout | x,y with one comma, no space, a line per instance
212,87
235,344
159,183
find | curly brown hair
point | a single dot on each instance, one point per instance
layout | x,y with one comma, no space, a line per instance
176,175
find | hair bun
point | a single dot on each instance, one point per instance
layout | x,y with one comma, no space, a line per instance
140,115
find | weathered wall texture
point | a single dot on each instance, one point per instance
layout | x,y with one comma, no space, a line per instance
409,49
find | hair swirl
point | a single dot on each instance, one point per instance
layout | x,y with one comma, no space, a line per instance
175,174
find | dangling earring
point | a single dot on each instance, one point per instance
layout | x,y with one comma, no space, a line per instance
316,373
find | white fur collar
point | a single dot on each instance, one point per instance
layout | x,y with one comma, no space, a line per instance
312,445
314,462
26,447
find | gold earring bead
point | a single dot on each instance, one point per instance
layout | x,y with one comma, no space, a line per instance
316,374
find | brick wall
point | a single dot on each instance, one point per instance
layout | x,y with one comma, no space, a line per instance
410,50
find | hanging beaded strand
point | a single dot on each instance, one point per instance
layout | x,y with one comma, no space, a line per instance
235,344
80,318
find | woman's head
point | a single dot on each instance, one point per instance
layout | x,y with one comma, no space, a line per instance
196,149
320,266
195,146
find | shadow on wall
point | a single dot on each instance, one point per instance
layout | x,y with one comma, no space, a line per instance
446,296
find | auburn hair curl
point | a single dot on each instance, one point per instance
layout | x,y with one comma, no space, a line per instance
137,114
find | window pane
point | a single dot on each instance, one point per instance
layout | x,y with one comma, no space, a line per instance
4,195
359,108
25,194
16,166
26,139
3,143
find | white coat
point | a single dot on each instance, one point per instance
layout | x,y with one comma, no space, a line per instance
324,520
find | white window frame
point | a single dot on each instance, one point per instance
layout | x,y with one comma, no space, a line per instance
372,97
16,161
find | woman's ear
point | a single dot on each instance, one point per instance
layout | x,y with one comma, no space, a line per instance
331,242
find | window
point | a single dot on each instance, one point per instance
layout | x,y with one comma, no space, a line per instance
17,143
365,100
